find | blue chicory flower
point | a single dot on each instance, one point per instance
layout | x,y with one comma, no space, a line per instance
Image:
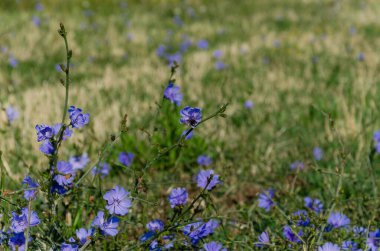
28,184
78,119
207,178
126,158
178,197
107,226
172,93
190,116
266,199
118,201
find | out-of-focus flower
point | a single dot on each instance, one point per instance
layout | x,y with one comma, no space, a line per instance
265,199
172,93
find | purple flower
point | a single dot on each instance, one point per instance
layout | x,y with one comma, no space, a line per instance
207,178
126,158
39,7
30,193
12,114
317,153
176,57
204,160
263,239
71,246
178,197
83,235
198,230
248,104
12,61
155,225
189,136
213,246
328,246
217,54
66,174
350,245
118,201
78,119
359,231
107,227
301,218
373,240
66,134
44,132
265,199
202,44
56,188
173,94
17,241
161,50
314,204
297,165
103,169
47,147
79,162
36,21
190,116
185,45
290,235
20,222
361,56
220,65
338,220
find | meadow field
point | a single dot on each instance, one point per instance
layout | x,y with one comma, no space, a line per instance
282,154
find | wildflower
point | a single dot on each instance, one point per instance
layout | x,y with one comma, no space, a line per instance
248,104
359,231
12,114
206,179
78,119
177,20
189,136
36,21
44,132
191,116
176,57
338,220
373,240
217,54
20,222
103,169
66,133
204,160
297,165
220,65
79,162
39,7
107,227
184,46
213,246
301,218
47,147
17,241
314,204
202,44
178,197
71,246
317,153
263,239
290,235
56,188
13,61
83,235
361,56
350,245
329,247
126,158
265,199
30,193
173,94
198,230
155,225
118,201
66,174
161,50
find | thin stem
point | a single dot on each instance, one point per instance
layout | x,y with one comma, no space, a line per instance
28,226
